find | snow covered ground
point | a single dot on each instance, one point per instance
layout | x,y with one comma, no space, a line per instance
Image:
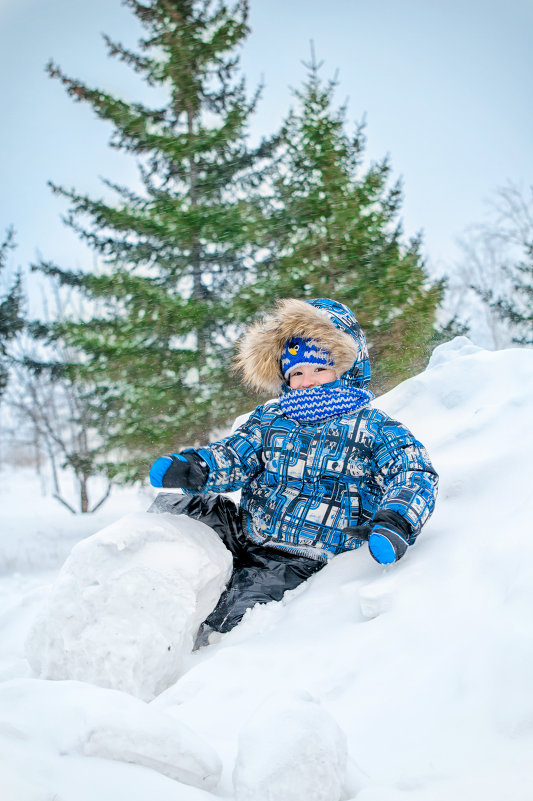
410,682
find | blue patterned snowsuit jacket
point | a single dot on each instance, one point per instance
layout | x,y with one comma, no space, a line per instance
302,483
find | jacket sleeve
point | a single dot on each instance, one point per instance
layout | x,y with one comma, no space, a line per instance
236,459
405,475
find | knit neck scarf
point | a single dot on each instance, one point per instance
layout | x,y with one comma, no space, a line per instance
322,402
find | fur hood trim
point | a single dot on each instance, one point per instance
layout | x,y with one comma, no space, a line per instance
259,351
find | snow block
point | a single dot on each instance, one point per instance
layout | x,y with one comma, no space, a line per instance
290,749
128,602
70,718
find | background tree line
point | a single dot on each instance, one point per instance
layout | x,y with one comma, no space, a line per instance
218,231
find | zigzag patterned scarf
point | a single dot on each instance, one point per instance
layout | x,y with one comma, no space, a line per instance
319,403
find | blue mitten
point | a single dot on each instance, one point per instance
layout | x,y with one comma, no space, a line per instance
388,536
176,470
386,545
159,469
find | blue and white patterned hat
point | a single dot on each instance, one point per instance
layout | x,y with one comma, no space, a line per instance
298,352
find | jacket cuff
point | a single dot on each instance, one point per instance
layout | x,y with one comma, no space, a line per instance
391,519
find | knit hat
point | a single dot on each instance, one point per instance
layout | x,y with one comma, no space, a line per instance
298,352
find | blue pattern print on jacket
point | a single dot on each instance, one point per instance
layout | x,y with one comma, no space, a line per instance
303,483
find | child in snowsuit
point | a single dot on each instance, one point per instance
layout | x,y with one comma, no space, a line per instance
321,471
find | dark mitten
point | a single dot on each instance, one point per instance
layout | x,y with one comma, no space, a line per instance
176,470
389,538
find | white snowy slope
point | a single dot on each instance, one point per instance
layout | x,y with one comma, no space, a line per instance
377,684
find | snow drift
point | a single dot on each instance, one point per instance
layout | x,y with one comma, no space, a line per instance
91,721
421,671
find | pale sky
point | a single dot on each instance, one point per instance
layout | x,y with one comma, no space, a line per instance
446,87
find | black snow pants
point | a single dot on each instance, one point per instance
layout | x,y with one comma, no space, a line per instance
259,574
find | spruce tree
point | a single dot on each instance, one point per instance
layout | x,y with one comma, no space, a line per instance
333,231
11,308
158,342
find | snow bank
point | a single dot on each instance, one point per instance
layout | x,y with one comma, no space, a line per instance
127,604
75,719
426,665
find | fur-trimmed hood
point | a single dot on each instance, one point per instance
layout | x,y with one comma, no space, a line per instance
331,325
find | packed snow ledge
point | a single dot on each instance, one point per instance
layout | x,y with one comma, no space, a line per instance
368,683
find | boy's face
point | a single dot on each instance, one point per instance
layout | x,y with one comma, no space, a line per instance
311,375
